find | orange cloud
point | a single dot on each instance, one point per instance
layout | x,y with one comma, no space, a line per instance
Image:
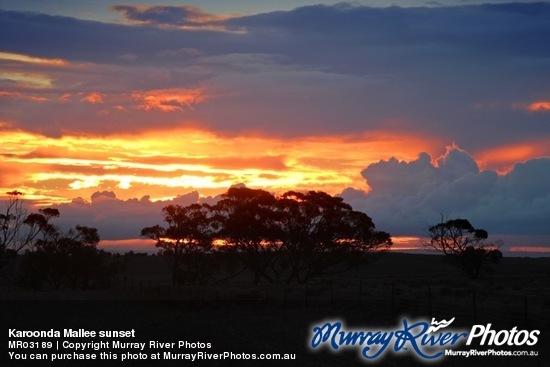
186,17
539,106
503,158
529,249
65,98
8,56
134,244
20,95
169,100
167,163
94,98
407,243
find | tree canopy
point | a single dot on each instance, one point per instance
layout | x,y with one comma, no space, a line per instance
19,230
292,237
49,256
465,246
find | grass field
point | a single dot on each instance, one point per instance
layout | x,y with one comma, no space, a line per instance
261,318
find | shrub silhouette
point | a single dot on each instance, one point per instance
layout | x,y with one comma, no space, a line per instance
18,229
67,260
464,246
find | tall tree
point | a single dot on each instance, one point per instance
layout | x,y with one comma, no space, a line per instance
246,219
186,240
464,246
296,235
64,260
322,234
18,229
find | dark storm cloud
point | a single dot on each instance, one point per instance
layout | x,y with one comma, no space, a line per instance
302,34
406,198
482,28
79,40
320,69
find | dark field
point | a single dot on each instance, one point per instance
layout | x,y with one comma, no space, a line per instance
241,316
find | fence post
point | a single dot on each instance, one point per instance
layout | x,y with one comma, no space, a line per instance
392,298
360,292
284,296
331,293
307,291
474,305
430,301
525,310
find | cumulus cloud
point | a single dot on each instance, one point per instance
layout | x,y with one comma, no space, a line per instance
406,197
115,218
93,98
182,16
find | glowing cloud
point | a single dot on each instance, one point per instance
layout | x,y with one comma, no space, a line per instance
19,95
184,17
167,163
83,184
29,80
529,249
502,158
169,100
539,106
93,98
8,56
406,243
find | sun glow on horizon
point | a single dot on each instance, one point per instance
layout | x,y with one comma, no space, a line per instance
168,163
165,164
533,249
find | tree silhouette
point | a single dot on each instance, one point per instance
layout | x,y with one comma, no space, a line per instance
18,229
465,246
323,234
246,222
185,241
48,255
66,260
296,235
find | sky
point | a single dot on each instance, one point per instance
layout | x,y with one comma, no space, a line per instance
409,110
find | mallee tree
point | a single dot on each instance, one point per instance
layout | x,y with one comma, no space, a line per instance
292,237
464,246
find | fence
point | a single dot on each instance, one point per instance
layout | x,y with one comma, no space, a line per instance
414,297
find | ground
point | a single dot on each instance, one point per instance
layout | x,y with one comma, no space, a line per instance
265,318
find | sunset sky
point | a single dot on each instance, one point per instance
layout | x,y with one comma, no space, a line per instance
111,110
